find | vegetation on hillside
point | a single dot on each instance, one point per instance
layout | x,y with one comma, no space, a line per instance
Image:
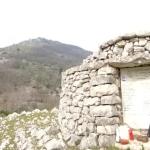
30,73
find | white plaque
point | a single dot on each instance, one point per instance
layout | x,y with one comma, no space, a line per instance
135,87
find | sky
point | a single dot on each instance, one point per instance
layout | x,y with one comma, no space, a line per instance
85,23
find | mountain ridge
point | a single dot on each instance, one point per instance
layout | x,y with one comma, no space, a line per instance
30,73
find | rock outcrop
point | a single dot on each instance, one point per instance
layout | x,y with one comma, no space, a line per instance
31,130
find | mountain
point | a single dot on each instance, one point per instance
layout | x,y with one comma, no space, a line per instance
30,73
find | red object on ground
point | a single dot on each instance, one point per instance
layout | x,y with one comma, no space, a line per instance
131,136
124,141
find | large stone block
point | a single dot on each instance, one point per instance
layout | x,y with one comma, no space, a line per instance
139,49
106,140
92,140
91,101
106,89
147,46
90,127
82,129
113,99
104,111
108,130
142,41
71,124
102,121
107,70
74,140
89,142
102,79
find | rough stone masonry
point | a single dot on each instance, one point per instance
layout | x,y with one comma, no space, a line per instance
91,105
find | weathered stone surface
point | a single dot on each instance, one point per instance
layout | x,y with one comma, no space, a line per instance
72,70
102,79
93,73
84,76
91,101
106,89
80,121
102,121
103,55
142,41
103,110
107,70
82,129
80,82
71,124
90,119
55,144
139,49
75,102
79,97
75,109
90,127
75,116
80,104
106,140
147,46
112,99
128,47
86,86
108,130
95,65
66,134
92,140
85,110
74,140
84,143
118,50
89,142
68,115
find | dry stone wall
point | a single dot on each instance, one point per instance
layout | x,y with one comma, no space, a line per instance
90,105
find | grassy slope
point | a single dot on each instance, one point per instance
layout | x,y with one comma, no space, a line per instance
28,127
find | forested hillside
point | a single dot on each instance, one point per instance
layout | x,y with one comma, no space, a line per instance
30,73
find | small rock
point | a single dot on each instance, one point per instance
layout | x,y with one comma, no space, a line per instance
55,145
142,42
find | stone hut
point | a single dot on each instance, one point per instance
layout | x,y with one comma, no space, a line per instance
109,88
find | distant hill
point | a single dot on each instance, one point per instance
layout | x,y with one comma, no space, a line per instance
30,73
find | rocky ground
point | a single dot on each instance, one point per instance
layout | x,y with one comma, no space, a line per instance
36,130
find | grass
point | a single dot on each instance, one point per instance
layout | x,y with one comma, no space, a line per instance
4,113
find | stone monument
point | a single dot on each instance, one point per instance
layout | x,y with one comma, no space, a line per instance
109,88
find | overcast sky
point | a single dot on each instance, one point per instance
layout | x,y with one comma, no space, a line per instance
86,23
